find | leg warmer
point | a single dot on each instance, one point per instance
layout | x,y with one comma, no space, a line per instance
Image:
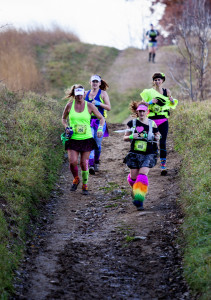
85,176
140,188
130,181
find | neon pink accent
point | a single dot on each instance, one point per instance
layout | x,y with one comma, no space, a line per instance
74,170
130,181
142,178
142,107
159,121
140,129
87,165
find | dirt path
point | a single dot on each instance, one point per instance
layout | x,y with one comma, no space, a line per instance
99,246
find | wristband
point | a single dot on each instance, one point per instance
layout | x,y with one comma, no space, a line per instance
150,102
97,103
100,128
131,137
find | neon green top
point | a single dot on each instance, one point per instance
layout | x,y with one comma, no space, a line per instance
80,122
162,107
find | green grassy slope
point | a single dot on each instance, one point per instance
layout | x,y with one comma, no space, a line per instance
30,157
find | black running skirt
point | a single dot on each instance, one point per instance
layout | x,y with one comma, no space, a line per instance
81,145
137,161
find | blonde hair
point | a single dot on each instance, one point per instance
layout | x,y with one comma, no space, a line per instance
69,93
134,105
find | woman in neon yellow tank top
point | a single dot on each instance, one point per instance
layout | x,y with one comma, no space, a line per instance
76,120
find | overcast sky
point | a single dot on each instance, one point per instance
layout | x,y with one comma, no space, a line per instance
115,23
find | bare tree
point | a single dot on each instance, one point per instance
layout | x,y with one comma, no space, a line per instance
192,35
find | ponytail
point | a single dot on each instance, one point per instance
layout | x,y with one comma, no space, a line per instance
69,93
103,85
134,105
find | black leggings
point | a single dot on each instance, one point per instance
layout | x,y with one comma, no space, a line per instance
163,129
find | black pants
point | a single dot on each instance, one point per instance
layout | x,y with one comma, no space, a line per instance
163,129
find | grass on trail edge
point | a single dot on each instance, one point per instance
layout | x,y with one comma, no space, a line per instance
31,154
191,130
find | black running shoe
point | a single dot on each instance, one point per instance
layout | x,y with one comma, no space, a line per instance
74,187
75,184
92,170
163,172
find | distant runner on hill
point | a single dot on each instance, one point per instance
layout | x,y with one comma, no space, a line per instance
152,44
76,120
160,102
143,135
99,97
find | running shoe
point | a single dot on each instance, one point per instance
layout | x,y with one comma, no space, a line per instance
163,172
75,184
140,206
92,170
96,168
85,189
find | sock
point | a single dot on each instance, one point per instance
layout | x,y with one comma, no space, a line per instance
74,170
85,176
76,180
91,162
153,57
163,163
130,181
140,188
84,187
150,56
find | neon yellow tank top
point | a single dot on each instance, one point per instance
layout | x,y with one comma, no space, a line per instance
80,122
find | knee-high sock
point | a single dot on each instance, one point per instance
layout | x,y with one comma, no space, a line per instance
153,57
85,176
150,54
130,181
74,170
140,188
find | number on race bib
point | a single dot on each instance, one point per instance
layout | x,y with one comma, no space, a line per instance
140,146
80,129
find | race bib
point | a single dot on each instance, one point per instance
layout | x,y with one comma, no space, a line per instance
80,129
140,146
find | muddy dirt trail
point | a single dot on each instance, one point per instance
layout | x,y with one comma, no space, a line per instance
99,246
